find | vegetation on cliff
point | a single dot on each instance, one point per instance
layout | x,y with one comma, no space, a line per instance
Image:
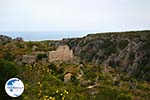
128,51
113,66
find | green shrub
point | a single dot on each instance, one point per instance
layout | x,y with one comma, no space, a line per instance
123,96
106,44
109,50
19,45
52,66
131,56
90,75
107,93
8,56
122,44
40,56
7,71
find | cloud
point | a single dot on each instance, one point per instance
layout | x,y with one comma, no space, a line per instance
73,15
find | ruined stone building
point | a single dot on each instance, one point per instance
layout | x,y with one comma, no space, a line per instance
29,58
62,53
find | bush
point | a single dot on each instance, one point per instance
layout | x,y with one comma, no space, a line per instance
108,51
123,96
8,56
40,56
107,93
19,45
7,71
122,44
89,75
131,56
52,66
106,44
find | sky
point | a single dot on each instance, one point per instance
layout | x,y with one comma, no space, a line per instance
73,17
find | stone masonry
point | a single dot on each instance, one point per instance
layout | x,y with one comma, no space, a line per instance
29,59
62,53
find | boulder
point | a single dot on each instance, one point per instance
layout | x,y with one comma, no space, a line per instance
67,77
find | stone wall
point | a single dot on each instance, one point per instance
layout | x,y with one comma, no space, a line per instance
62,53
29,59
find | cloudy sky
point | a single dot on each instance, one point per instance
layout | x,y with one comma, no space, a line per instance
74,15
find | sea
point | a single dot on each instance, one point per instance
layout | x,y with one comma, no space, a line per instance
40,36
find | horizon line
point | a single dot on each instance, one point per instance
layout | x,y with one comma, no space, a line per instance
60,36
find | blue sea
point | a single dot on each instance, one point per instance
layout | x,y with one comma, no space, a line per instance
38,36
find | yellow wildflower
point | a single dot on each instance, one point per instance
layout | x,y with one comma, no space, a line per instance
50,97
56,91
63,98
39,83
67,92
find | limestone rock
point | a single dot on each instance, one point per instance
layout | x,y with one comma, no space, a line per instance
67,77
129,51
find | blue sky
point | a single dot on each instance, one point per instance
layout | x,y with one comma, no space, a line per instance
82,16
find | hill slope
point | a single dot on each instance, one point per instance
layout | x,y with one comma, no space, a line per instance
90,80
128,51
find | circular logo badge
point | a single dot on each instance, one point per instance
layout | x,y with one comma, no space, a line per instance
14,87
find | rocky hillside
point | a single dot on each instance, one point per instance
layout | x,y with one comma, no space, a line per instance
127,51
4,39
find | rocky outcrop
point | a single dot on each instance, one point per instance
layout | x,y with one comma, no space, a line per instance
4,39
129,51
67,77
19,39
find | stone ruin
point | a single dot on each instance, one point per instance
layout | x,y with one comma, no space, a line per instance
29,59
62,53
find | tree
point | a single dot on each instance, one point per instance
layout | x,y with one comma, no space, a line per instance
7,71
40,56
